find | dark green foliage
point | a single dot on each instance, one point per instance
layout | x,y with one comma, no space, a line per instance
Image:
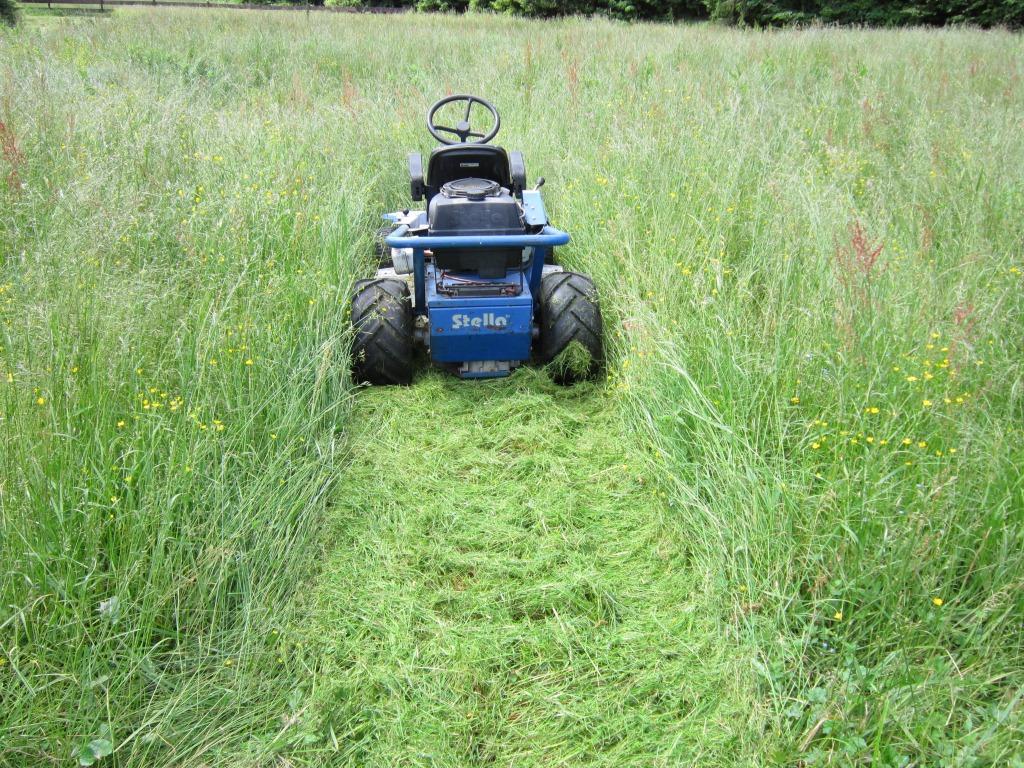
623,9
8,12
883,13
619,9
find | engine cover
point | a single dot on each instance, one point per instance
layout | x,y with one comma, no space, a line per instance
476,207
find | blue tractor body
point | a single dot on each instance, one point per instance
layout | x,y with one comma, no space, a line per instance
464,329
483,325
472,278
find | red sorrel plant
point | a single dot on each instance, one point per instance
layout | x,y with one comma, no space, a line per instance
857,266
14,157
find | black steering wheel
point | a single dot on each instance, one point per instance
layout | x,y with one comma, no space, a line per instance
462,128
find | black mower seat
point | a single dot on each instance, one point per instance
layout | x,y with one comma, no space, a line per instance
460,161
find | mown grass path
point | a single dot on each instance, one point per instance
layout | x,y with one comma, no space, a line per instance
507,588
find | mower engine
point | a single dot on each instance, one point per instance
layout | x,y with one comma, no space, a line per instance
476,207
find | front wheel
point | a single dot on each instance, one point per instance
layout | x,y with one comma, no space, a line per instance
570,326
382,352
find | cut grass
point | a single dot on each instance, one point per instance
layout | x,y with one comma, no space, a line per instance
574,363
509,587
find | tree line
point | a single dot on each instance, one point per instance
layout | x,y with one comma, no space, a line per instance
882,13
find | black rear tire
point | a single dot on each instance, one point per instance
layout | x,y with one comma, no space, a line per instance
382,352
569,312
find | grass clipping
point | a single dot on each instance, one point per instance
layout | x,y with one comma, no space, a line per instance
497,552
573,363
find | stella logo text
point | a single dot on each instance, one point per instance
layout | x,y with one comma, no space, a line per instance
486,320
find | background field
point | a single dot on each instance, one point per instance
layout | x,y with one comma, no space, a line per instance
785,526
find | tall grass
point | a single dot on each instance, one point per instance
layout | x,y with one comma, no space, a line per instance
174,361
808,245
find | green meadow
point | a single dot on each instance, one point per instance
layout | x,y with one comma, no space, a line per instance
783,527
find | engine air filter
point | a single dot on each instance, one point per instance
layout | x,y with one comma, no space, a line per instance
471,189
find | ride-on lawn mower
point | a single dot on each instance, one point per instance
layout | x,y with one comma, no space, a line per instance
472,277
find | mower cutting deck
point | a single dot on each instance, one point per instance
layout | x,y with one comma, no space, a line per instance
472,278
